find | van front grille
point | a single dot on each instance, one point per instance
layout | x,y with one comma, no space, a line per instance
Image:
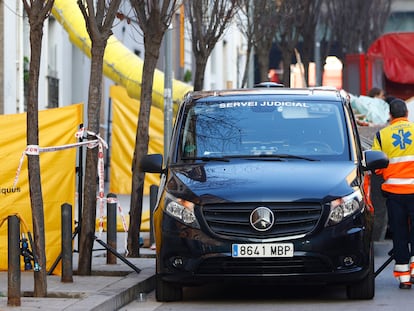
233,220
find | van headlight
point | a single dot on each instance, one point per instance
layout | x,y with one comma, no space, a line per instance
182,210
343,207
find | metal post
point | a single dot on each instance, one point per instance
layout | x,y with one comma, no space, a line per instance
66,239
13,271
167,90
250,77
153,201
80,189
111,227
317,53
318,68
108,138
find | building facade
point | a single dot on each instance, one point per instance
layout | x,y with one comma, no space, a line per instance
65,69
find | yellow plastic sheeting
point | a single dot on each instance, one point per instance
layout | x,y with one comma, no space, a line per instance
120,64
145,222
124,126
57,127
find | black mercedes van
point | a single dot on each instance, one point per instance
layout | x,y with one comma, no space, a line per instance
264,184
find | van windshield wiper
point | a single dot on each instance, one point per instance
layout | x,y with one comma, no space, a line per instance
277,157
206,159
283,156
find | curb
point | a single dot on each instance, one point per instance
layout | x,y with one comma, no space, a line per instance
116,295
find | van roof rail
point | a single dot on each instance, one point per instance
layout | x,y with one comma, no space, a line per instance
269,84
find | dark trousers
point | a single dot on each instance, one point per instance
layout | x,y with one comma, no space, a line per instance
400,218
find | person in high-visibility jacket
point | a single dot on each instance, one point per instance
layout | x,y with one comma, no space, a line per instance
397,141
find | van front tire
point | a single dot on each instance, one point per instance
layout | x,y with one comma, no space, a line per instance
166,291
364,289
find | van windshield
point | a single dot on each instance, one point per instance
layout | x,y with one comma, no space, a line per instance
239,128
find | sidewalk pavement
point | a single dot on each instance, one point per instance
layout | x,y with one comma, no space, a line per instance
110,286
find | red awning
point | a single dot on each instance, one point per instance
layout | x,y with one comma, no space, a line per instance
397,52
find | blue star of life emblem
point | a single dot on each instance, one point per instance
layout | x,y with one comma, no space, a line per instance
401,139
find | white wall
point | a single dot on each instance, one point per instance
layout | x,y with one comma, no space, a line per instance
61,61
16,48
13,57
224,67
44,61
402,5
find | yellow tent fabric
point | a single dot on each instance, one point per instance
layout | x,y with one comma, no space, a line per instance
124,126
145,222
57,127
120,64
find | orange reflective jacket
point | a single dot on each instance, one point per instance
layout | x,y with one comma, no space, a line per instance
397,142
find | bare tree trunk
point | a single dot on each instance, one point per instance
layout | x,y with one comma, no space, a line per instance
87,233
89,207
40,284
141,149
37,12
263,60
201,63
247,65
307,53
99,16
287,56
153,22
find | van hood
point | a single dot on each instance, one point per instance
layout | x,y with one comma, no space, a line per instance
262,181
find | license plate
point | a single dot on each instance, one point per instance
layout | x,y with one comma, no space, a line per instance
263,250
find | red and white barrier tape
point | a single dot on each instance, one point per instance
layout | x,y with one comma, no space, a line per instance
98,142
36,150
101,186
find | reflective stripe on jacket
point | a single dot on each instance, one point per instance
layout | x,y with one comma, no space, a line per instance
397,142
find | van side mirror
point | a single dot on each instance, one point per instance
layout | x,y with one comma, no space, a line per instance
151,163
374,159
